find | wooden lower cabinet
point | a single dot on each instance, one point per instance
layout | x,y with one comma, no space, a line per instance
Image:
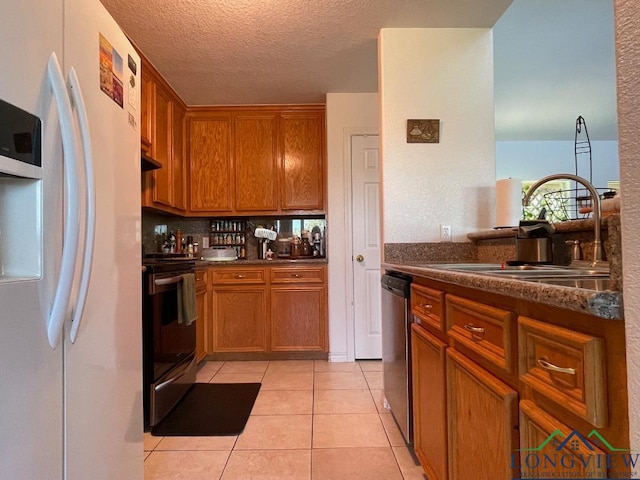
482,414
239,319
202,303
298,318
276,310
550,449
429,402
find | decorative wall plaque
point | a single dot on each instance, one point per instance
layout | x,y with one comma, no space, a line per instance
423,131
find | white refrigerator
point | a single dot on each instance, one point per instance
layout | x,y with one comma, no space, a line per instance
70,370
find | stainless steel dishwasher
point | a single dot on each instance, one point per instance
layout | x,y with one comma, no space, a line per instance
396,350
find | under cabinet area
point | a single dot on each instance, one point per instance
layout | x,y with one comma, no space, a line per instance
532,390
258,312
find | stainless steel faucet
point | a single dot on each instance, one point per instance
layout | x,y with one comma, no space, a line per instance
597,212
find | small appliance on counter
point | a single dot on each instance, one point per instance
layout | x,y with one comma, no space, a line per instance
219,254
264,235
533,242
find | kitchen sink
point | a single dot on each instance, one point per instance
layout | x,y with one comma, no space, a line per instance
552,272
488,267
581,276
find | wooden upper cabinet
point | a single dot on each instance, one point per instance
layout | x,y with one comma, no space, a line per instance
146,109
178,160
210,182
255,162
162,138
161,147
264,160
302,162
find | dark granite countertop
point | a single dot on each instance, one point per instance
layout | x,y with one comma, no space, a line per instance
601,303
264,263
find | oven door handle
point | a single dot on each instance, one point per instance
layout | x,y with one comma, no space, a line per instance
167,281
176,375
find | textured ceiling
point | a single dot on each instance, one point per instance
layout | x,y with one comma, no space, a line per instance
554,59
222,52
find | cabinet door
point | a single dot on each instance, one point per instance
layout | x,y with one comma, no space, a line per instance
239,319
428,361
550,449
210,180
255,163
482,422
298,318
161,147
146,109
201,344
178,164
302,162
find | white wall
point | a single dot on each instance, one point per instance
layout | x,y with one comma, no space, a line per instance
533,160
445,74
628,70
347,114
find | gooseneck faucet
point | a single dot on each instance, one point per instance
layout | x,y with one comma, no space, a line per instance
597,211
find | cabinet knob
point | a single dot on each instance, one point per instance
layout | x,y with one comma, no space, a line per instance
239,276
547,365
359,259
295,275
426,306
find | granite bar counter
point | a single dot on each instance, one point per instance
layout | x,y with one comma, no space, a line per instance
605,304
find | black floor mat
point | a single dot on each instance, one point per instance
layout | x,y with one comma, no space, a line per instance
210,409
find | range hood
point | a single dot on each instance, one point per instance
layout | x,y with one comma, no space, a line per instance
148,163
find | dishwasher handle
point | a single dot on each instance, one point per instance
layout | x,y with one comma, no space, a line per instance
396,284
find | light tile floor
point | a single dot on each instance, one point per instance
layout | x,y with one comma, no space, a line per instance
312,420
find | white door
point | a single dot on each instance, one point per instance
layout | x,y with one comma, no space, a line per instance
365,218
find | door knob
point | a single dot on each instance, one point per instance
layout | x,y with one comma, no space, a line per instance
359,259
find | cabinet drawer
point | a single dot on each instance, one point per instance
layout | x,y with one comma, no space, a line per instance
483,329
297,275
201,275
230,276
428,305
201,279
564,366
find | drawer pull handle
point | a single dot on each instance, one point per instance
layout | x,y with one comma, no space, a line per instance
544,363
426,306
295,275
473,329
238,276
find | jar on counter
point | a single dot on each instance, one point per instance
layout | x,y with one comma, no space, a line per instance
305,247
284,247
295,247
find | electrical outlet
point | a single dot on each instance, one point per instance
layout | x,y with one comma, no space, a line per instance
445,233
205,241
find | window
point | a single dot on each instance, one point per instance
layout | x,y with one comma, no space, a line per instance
553,196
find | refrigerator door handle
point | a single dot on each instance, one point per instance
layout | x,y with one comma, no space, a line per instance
55,322
90,194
